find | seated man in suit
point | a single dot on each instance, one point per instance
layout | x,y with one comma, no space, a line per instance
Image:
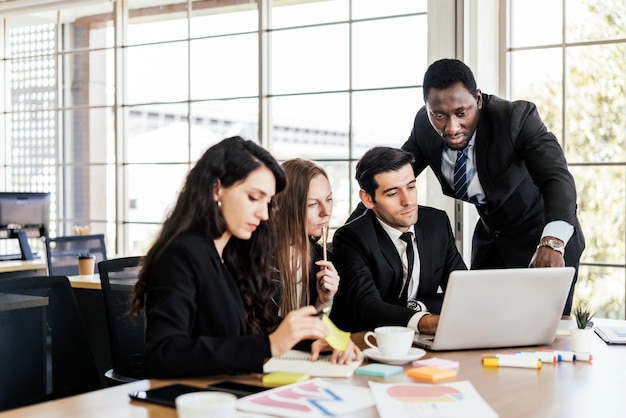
374,260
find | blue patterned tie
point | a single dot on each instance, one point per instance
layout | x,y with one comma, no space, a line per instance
460,179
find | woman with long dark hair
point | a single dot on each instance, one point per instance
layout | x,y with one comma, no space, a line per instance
206,282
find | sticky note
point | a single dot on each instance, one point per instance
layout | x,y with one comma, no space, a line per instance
437,362
432,374
274,379
336,338
380,370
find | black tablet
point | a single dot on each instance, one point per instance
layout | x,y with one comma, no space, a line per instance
166,395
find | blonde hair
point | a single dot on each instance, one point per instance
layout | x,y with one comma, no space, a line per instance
293,250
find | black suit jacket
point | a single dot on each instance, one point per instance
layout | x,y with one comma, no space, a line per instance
371,270
195,316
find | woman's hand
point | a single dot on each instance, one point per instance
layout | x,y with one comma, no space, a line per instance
351,352
327,283
298,325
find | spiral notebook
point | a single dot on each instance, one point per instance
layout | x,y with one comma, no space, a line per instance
299,362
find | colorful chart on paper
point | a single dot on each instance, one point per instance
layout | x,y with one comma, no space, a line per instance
313,398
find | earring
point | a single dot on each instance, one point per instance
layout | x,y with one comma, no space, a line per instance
219,204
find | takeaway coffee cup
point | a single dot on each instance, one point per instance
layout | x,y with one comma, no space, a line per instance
391,341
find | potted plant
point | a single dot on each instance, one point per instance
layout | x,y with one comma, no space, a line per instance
582,335
86,263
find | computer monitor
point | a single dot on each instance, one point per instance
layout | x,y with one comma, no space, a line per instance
24,215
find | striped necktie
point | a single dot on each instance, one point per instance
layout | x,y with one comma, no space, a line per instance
460,179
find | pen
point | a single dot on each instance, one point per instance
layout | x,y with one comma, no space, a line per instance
512,361
574,356
583,357
544,356
324,243
564,355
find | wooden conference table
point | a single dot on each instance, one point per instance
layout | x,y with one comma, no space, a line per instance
568,389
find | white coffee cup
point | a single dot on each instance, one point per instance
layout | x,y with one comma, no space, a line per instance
206,404
391,341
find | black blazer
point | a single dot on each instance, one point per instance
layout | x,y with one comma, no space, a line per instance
195,316
371,270
524,175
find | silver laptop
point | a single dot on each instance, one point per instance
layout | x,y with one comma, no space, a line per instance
500,308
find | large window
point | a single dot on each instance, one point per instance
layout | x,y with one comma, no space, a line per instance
574,69
108,103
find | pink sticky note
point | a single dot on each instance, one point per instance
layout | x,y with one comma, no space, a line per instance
437,362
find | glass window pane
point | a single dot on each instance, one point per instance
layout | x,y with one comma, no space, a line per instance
88,79
157,73
156,21
380,57
213,121
32,34
529,27
140,237
310,60
83,198
287,14
376,8
593,20
603,289
340,185
228,17
150,201
314,126
601,212
540,84
158,133
383,117
88,26
88,136
218,72
596,111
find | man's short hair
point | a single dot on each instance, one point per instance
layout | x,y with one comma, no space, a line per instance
446,72
380,160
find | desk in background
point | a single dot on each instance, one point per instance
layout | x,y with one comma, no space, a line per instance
568,390
23,268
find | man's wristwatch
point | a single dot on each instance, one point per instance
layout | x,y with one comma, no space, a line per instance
555,244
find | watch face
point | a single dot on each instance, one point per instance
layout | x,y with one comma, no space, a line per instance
555,244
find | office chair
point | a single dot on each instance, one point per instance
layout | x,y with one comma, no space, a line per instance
44,351
62,252
117,278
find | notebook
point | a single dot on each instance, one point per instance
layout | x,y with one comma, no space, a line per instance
611,334
299,362
500,308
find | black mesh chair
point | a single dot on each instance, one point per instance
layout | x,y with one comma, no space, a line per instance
62,252
44,351
118,277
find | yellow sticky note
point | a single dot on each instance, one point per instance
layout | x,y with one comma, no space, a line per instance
336,338
275,379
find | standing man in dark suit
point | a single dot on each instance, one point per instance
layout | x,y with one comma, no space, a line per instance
498,155
392,261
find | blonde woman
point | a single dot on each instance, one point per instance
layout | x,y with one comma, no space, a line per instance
303,210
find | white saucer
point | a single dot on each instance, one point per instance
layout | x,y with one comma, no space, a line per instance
414,354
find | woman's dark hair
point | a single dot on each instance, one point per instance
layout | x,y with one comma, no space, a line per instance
249,261
379,160
445,73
